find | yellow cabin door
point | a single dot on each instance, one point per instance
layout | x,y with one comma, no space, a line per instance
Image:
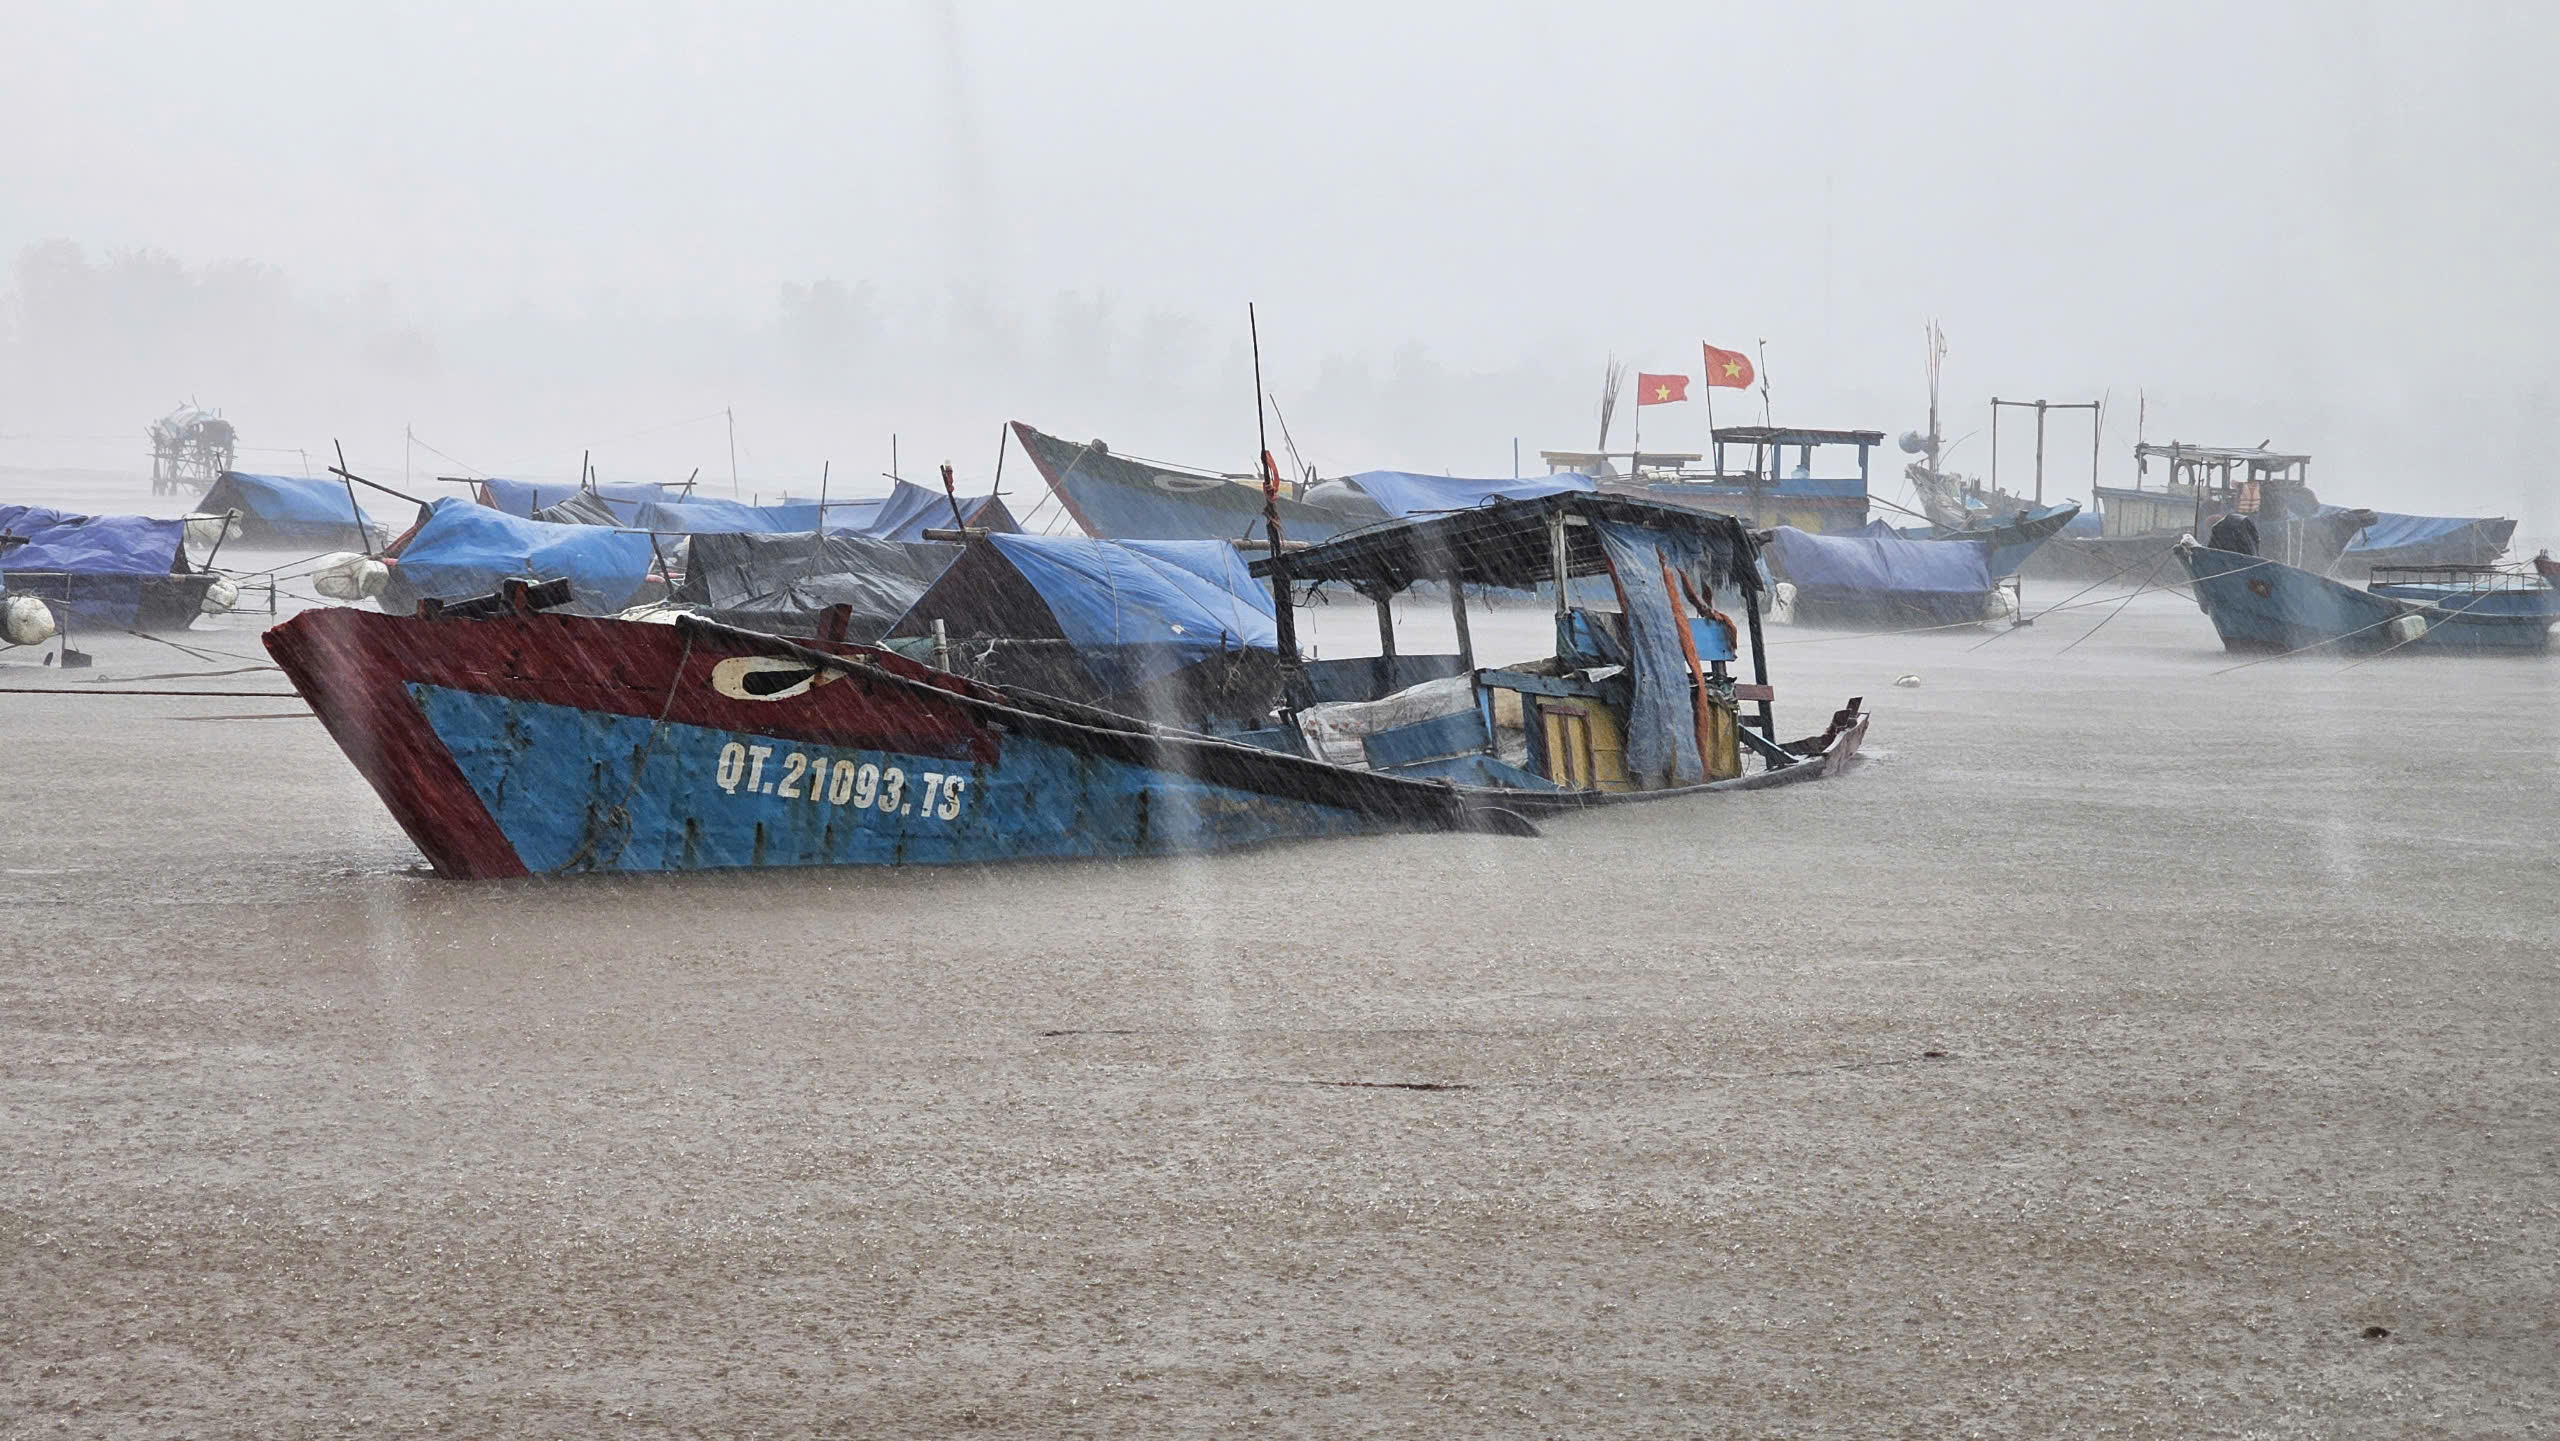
1565,736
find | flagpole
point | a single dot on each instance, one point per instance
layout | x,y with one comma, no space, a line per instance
1707,375
1764,384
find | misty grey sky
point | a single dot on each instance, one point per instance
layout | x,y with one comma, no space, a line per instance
2325,223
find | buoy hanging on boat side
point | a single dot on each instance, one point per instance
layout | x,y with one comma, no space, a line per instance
349,576
220,596
25,620
204,532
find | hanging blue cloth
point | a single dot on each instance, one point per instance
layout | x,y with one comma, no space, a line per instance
1662,721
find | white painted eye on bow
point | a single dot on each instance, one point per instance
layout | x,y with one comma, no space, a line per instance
767,677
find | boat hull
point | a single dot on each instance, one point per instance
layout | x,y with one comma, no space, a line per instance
1114,497
531,744
2261,606
528,743
2519,600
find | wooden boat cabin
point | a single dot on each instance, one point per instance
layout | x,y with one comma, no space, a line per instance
1768,475
2203,482
1639,695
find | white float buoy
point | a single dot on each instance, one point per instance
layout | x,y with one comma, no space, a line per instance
1907,682
25,620
220,596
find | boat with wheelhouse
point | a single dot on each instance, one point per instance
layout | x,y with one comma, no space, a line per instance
509,739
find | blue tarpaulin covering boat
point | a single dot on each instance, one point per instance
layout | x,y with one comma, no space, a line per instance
2392,539
292,510
125,571
1102,617
1882,581
521,498
909,510
711,515
463,550
21,522
1403,494
904,514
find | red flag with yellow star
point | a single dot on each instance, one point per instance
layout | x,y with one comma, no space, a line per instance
1728,368
1660,389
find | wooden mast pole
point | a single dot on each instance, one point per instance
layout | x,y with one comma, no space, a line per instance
1283,613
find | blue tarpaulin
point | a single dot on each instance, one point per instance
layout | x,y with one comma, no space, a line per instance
1144,608
96,565
1403,493
465,550
23,521
714,516
904,515
908,511
2390,531
1662,724
290,510
524,497
1882,565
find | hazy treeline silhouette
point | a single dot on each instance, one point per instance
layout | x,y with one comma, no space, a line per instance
98,344
94,345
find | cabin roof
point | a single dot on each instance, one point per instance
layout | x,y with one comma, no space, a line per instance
1794,435
2238,454
1506,544
1584,457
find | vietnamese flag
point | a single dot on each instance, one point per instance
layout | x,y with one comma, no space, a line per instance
1660,389
1728,368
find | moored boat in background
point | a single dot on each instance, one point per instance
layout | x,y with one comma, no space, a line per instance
2262,605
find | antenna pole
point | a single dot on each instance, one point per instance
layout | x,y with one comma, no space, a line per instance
732,413
355,512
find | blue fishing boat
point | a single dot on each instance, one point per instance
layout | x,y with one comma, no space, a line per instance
1118,497
2006,543
2477,589
511,740
2262,605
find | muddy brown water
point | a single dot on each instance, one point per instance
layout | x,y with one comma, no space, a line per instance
2111,1054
